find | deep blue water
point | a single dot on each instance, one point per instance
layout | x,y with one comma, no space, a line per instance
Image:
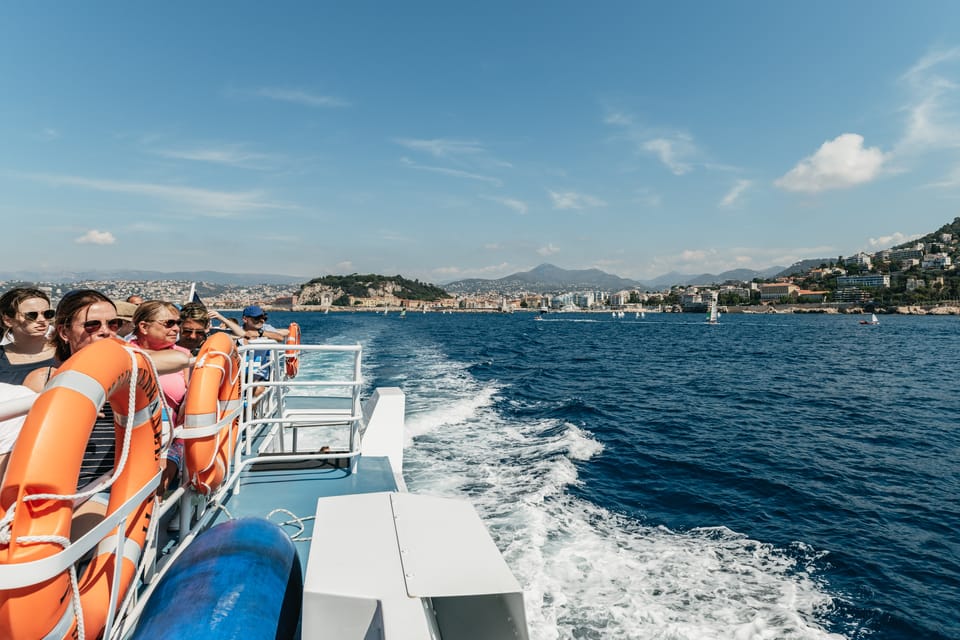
772,477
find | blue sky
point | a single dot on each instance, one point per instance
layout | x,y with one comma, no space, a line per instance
444,140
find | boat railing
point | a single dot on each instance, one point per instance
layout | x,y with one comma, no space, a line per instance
286,418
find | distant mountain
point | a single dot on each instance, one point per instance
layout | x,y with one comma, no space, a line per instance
740,275
544,279
803,266
217,277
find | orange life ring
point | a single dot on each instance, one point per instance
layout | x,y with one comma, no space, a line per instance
292,356
214,391
46,460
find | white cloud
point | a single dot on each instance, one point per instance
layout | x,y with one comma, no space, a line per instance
675,149
96,237
200,201
344,266
735,192
932,120
511,203
950,181
672,152
442,147
457,173
548,250
299,96
841,162
893,239
574,200
231,155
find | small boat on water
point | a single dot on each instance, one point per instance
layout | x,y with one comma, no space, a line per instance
873,320
293,519
713,315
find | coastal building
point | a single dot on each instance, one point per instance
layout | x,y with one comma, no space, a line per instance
914,283
775,290
872,280
806,295
861,259
913,251
937,261
852,294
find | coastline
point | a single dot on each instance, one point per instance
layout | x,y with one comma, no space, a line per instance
913,310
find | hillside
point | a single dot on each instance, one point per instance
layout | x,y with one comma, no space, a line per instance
544,278
340,288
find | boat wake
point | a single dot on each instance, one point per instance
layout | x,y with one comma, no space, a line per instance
586,571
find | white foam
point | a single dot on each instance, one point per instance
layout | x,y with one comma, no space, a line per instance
588,572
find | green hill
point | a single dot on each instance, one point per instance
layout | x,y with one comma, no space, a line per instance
370,285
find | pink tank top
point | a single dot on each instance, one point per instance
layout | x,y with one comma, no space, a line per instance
174,385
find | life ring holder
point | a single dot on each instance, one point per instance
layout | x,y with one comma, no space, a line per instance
40,593
292,356
211,413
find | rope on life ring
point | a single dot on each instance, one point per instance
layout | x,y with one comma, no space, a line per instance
292,356
212,396
36,499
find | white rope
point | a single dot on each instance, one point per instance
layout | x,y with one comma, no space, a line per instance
5,523
295,520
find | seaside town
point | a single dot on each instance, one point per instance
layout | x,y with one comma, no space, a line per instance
918,277
849,285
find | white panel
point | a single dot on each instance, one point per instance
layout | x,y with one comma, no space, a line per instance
446,550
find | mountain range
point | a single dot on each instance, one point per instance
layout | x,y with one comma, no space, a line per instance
541,279
547,278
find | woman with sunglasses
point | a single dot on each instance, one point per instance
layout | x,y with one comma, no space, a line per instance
156,329
26,317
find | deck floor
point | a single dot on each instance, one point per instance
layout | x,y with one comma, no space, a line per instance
296,488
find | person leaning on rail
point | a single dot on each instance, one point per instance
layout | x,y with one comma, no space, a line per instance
26,317
196,326
255,325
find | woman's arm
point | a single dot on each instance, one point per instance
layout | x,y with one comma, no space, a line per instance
169,360
235,328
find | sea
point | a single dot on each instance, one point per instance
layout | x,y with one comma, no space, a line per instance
774,476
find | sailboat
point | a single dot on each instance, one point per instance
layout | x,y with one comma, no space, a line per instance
873,320
713,316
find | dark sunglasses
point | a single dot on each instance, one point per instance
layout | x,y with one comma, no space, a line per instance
169,324
193,332
32,316
262,318
92,326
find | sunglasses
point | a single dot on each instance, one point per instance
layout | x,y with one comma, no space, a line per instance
32,316
169,324
193,332
92,326
262,318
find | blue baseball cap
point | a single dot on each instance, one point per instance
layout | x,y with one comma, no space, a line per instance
253,311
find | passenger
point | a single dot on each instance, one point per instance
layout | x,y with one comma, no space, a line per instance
255,325
125,311
256,329
156,331
26,316
10,429
83,317
196,326
135,299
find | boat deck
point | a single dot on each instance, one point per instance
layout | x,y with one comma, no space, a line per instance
296,486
